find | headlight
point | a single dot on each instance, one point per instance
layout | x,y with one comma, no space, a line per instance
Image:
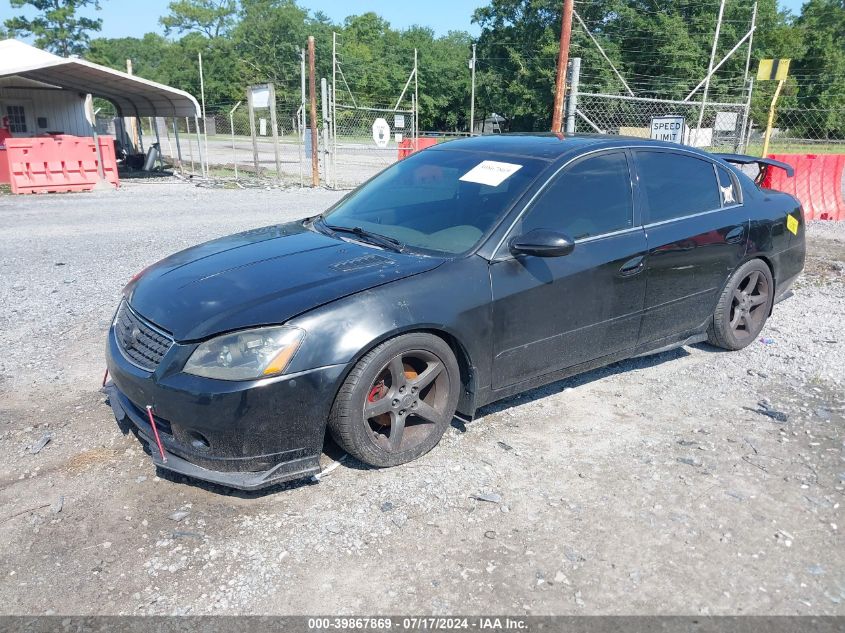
246,355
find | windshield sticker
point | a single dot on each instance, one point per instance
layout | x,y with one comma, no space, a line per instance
490,172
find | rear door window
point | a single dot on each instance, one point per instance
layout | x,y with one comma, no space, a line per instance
590,197
675,185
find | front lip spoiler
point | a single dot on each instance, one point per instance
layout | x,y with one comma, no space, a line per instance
282,472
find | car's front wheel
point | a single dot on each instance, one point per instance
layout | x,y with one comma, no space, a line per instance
397,401
743,307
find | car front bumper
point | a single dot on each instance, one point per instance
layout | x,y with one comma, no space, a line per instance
246,434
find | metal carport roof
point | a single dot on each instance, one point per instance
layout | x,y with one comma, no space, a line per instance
133,95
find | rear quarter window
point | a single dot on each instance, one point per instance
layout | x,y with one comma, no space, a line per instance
728,190
675,185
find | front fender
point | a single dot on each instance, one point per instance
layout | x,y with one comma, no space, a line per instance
454,299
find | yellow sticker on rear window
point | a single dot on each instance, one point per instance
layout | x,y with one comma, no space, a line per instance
792,224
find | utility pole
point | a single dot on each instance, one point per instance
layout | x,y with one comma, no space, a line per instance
472,97
562,63
709,72
312,86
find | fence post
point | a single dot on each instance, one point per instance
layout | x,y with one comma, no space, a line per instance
251,109
572,97
154,121
275,125
190,144
334,108
300,115
416,101
746,117
203,165
178,144
232,130
325,107
472,94
312,87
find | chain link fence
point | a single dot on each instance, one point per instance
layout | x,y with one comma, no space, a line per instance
222,150
355,155
802,131
722,128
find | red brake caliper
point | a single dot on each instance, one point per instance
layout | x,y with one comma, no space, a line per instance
377,392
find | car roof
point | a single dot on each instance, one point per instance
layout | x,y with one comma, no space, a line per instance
548,146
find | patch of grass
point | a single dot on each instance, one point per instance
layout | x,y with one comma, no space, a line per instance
787,147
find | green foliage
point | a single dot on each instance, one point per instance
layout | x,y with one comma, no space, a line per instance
57,27
212,18
661,48
822,25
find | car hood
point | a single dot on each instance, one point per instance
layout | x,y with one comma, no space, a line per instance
260,277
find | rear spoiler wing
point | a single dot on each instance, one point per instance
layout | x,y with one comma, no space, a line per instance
763,163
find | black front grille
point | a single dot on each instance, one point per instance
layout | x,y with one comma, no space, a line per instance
142,344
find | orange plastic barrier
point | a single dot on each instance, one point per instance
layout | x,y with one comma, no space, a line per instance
818,183
59,163
408,147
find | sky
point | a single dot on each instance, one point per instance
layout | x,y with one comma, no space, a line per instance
123,18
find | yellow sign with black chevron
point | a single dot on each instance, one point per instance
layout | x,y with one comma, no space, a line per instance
773,69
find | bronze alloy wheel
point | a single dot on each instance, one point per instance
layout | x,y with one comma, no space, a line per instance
743,307
398,400
750,305
407,400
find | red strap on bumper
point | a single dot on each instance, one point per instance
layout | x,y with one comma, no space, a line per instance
155,432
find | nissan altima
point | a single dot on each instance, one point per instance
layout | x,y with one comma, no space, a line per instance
466,273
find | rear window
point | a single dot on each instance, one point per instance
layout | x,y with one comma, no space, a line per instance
676,185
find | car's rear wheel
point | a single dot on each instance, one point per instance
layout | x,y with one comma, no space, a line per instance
397,401
743,307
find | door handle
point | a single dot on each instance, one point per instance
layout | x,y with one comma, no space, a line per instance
632,267
735,235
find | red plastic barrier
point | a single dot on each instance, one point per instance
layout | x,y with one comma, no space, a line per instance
59,163
408,147
817,183
5,177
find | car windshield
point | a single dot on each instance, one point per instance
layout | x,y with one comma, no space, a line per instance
437,200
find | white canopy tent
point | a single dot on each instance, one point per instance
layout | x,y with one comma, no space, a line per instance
133,96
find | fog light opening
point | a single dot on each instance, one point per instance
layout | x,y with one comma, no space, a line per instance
199,441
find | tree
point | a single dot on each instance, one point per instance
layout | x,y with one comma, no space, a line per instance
57,28
150,55
268,38
822,24
212,18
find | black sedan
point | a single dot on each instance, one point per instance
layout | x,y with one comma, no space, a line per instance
463,274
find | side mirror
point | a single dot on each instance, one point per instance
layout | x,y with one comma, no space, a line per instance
542,243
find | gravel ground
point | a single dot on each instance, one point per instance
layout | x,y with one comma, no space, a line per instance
656,485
